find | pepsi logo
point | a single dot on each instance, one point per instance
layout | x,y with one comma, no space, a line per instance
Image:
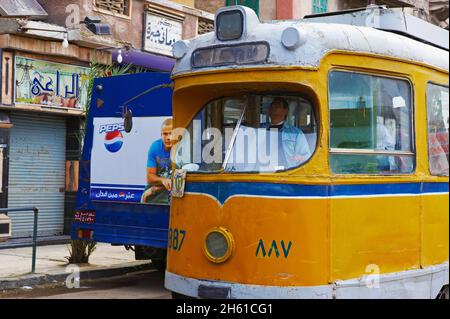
111,128
113,141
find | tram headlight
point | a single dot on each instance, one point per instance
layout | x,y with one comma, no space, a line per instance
292,38
218,245
229,25
179,49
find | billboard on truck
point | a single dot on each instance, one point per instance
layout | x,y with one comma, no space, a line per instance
115,202
119,160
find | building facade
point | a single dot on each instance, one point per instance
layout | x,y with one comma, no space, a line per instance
434,11
42,100
46,49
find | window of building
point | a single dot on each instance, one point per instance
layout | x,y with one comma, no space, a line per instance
205,26
115,7
320,6
253,4
438,125
251,133
370,124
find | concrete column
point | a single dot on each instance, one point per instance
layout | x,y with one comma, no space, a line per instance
285,9
297,8
267,9
292,9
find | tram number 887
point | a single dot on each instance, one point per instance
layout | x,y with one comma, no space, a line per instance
176,238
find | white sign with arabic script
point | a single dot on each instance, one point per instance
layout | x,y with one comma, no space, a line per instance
160,34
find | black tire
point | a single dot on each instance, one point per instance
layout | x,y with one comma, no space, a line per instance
141,253
156,255
159,264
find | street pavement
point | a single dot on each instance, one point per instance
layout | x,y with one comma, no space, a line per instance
142,285
111,262
51,259
52,266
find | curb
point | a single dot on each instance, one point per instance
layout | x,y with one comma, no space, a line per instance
46,241
88,274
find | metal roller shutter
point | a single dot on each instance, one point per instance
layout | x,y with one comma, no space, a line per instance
37,172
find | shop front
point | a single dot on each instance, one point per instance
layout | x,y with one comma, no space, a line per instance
43,98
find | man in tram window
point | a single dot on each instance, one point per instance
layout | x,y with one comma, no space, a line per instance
159,167
292,144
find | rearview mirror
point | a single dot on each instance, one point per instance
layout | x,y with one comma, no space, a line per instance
127,119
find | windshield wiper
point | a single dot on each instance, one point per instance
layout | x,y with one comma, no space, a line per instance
233,139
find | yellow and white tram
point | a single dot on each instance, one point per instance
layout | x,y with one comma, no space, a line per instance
352,200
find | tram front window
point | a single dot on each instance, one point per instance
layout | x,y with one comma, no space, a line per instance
370,124
253,133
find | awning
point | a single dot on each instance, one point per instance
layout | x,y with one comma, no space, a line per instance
439,12
22,8
397,3
145,59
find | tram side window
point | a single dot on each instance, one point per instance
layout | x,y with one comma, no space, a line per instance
370,124
438,126
252,133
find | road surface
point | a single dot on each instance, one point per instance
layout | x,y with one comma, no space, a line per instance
143,285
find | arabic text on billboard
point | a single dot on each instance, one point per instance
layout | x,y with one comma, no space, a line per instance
54,84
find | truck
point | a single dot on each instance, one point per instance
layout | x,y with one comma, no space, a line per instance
124,119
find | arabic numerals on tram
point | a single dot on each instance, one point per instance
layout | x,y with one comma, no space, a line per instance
176,238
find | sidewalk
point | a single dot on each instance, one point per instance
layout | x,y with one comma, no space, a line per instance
51,266
41,241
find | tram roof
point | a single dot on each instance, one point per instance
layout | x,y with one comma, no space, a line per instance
305,42
390,20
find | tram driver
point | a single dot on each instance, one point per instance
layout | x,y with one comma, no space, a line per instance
293,147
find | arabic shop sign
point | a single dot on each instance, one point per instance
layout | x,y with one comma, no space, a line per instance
161,33
47,83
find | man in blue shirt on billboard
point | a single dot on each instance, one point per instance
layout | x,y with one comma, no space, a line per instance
159,167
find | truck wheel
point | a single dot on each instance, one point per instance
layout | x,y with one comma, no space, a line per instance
157,256
159,264
141,253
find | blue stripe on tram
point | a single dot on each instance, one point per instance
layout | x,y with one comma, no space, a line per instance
223,190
